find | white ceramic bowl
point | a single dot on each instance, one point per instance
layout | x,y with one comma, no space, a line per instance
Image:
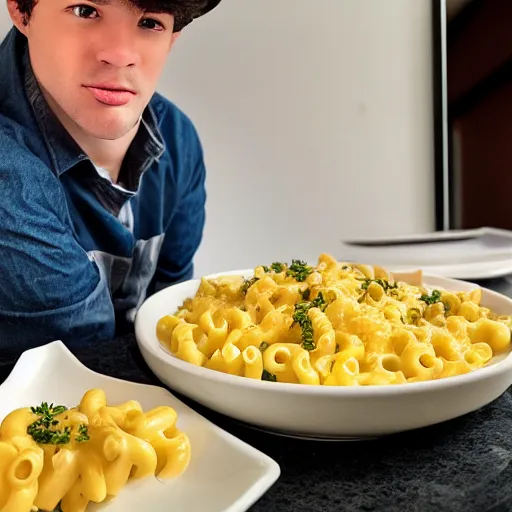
323,411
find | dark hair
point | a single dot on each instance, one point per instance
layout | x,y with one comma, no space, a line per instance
184,11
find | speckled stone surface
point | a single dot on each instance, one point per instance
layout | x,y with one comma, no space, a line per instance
462,465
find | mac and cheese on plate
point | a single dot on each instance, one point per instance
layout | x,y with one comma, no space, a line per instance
54,458
333,324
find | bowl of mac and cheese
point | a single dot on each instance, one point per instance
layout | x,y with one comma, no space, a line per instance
332,349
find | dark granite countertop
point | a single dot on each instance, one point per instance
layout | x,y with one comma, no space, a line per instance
461,465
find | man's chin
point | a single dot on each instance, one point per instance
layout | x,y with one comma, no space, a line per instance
110,132
112,125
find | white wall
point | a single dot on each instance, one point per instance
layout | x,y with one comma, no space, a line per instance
316,122
5,21
316,117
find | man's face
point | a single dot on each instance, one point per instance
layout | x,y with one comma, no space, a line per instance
98,63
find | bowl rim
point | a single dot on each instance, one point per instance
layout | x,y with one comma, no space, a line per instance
147,345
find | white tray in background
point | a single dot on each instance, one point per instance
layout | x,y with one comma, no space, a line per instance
483,253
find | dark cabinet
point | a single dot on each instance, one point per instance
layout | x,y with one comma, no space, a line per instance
479,66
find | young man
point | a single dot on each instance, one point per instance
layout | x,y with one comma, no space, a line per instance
101,179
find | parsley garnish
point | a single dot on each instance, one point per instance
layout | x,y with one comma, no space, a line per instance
263,346
247,284
83,434
299,270
301,317
413,316
46,410
383,282
278,267
44,430
305,294
431,299
386,285
307,336
319,302
268,376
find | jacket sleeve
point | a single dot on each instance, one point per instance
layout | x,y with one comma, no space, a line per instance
49,288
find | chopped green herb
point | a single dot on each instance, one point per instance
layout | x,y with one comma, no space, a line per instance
413,315
305,294
268,376
319,302
48,410
301,311
446,308
382,282
388,287
266,269
83,434
307,337
247,284
278,267
431,299
263,346
345,267
44,430
300,270
396,293
301,317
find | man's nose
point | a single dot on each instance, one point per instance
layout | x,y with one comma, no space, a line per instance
118,48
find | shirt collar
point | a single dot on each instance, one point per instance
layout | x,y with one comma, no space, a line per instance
146,148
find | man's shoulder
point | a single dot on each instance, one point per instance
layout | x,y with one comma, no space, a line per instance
175,125
23,157
19,143
166,110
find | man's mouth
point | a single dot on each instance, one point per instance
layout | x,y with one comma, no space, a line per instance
111,95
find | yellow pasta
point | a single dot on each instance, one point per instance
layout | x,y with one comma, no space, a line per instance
334,324
57,457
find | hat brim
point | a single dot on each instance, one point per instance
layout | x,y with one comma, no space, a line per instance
211,5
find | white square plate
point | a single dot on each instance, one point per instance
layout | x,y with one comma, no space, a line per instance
224,475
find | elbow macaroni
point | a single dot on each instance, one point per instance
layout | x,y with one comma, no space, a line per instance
334,324
103,448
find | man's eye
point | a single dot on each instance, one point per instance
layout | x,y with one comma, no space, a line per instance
151,24
85,11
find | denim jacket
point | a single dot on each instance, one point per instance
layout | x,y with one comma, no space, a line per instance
78,253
